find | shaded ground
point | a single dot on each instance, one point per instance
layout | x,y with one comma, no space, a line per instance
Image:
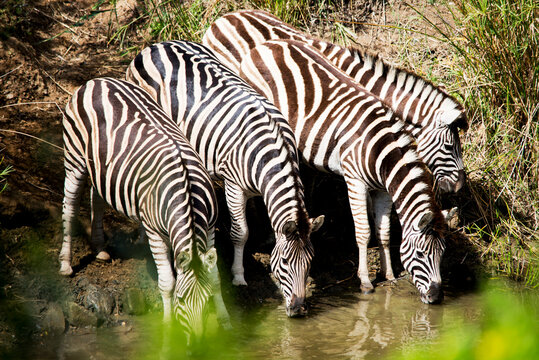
40,65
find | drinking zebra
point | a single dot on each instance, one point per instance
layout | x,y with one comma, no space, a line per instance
431,115
141,164
344,130
243,140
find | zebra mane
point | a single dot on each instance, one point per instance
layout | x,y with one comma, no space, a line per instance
303,217
376,63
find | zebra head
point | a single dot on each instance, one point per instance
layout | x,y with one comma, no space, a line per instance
193,290
291,262
439,146
421,255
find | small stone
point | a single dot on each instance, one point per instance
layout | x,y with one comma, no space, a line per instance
134,302
79,316
53,319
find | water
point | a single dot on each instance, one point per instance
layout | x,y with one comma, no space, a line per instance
355,326
346,325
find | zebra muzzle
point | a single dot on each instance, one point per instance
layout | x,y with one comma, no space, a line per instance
297,307
434,295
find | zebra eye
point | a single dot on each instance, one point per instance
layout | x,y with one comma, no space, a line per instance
180,300
285,262
448,147
420,254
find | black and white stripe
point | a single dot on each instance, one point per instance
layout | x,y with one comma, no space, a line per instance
241,139
342,129
140,163
429,113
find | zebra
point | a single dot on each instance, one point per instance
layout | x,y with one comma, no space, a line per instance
430,114
342,129
139,162
243,140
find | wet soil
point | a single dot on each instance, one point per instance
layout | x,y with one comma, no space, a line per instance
46,52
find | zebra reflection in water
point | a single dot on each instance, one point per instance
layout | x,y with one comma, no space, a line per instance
349,325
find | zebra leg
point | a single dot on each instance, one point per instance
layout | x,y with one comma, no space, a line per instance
382,204
98,235
358,197
236,201
73,186
165,277
220,308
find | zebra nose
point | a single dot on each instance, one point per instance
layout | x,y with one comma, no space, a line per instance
297,307
447,185
461,180
434,295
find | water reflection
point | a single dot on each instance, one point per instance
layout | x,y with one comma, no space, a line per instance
354,326
346,325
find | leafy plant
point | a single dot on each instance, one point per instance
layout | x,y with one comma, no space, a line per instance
3,173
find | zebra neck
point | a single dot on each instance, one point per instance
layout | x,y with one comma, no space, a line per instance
406,179
412,197
284,200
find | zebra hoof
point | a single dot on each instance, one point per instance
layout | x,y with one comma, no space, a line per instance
65,270
239,281
366,289
225,323
103,256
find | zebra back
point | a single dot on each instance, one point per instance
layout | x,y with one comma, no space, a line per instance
142,165
430,114
241,138
347,131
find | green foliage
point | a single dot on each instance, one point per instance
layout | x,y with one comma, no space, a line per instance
188,20
508,329
169,341
295,12
3,173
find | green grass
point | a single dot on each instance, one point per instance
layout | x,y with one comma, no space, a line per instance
3,175
188,20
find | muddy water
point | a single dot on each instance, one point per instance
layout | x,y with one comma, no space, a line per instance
341,326
355,326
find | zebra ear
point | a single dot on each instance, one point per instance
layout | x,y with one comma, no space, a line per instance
210,258
425,220
289,227
184,260
451,218
317,223
449,214
447,117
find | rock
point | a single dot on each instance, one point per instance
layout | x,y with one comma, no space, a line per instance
79,316
53,319
134,302
99,300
